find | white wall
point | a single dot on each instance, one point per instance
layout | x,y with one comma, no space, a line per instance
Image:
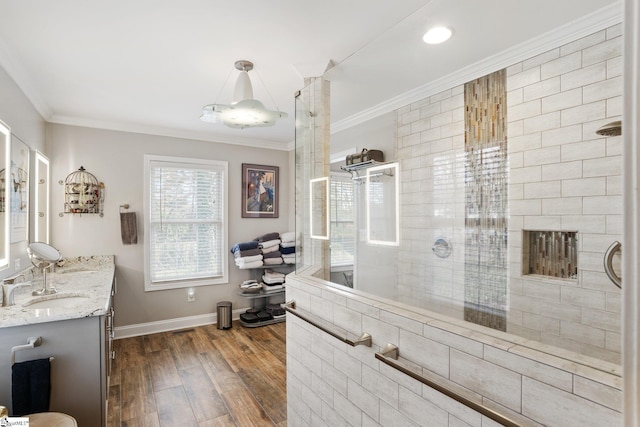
116,158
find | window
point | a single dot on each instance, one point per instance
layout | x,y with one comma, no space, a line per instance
185,222
343,232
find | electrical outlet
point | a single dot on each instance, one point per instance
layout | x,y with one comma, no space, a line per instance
17,264
191,295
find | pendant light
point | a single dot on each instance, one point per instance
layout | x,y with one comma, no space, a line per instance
244,111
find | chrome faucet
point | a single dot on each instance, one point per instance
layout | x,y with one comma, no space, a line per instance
9,286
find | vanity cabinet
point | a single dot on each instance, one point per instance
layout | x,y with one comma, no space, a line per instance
81,349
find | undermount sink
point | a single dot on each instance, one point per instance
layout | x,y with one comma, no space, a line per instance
56,301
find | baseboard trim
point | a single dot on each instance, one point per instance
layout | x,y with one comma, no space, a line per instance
140,329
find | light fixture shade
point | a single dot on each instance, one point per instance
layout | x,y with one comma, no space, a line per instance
244,111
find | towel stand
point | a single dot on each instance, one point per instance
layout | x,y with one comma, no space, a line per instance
32,342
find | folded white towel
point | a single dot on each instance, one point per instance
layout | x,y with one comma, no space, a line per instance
288,244
289,260
272,288
246,265
269,243
289,236
246,259
270,249
269,281
273,261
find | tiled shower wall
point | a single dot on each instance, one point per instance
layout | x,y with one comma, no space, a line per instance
562,177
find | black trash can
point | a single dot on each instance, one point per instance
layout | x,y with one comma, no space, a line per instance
224,315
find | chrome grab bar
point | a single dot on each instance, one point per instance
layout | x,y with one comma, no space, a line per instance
608,263
390,356
364,339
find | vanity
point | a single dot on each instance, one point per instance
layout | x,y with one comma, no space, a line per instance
75,327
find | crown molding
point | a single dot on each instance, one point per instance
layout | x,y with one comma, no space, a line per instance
571,31
168,132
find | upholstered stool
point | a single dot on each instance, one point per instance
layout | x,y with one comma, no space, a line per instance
51,419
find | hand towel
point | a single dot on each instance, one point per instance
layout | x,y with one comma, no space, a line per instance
31,386
288,244
128,228
273,261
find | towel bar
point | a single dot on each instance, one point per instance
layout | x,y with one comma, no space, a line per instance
364,339
390,356
31,343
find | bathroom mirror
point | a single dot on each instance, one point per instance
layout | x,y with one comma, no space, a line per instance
42,256
5,144
18,189
39,229
319,195
40,252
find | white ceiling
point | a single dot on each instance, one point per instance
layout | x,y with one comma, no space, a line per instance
149,66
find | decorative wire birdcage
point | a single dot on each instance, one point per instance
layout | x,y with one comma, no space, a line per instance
83,193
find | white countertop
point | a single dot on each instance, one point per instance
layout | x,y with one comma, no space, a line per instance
90,277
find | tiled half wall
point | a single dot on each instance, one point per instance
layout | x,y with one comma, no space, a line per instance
332,384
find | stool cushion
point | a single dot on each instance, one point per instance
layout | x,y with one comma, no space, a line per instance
51,419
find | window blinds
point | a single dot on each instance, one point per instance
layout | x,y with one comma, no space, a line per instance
343,236
186,221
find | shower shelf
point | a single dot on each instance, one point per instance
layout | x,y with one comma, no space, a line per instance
355,168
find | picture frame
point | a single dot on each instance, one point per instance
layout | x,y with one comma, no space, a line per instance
260,191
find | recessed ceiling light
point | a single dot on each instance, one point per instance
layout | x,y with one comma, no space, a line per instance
437,35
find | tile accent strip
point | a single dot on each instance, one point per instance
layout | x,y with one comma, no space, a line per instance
486,200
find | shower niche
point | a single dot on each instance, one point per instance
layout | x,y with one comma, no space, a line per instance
550,254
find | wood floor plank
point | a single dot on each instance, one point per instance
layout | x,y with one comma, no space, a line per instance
174,409
113,406
183,349
245,410
205,401
220,373
136,393
163,370
130,351
223,421
149,420
201,376
156,342
272,398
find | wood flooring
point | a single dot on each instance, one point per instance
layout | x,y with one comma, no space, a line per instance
201,377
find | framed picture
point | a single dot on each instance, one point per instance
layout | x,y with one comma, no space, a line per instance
260,191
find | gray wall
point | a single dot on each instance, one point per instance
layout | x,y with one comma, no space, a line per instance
116,158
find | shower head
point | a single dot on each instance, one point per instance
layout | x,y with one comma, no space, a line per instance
611,129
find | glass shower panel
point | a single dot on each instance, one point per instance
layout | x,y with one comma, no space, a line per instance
311,182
